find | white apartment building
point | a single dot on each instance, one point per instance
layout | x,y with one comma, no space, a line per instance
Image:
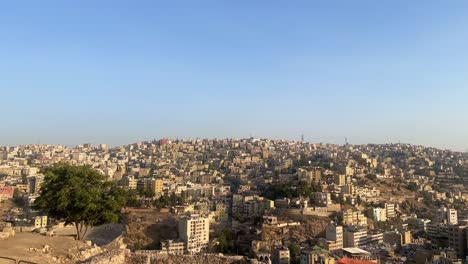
452,216
194,230
446,215
379,214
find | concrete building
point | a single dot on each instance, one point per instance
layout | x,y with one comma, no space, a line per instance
264,257
322,198
446,215
340,180
452,216
173,247
349,189
422,223
406,238
256,208
378,214
316,256
250,205
435,229
282,202
310,175
270,220
280,255
7,192
357,255
78,156
221,211
397,238
351,217
355,236
350,171
151,186
375,238
194,231
390,210
334,236
157,187
129,182
35,184
40,221
457,238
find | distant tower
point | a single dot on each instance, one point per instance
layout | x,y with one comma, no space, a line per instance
346,141
302,137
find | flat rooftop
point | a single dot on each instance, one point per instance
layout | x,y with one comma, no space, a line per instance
355,250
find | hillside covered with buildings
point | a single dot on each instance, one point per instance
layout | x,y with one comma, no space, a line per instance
269,201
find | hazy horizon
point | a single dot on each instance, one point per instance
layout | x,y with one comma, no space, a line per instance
115,72
230,138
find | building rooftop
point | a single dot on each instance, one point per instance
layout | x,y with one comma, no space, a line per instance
355,251
354,261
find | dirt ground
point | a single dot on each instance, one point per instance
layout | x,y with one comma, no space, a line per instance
19,247
146,228
64,248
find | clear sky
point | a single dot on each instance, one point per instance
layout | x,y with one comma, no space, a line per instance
118,72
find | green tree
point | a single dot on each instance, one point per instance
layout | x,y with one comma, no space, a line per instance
283,190
18,198
372,177
412,186
79,195
3,176
238,217
226,242
180,200
17,193
173,199
132,199
295,252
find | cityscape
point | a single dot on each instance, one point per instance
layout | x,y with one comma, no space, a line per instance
234,132
252,201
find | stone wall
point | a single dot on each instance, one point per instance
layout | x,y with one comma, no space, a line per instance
197,259
117,256
6,231
121,256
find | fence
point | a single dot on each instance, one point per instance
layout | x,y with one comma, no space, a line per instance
7,260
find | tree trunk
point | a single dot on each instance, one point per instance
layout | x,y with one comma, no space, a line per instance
77,231
80,233
85,231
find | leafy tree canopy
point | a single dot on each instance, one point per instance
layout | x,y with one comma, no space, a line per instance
412,186
295,252
287,190
80,195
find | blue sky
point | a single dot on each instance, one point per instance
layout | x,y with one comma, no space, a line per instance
117,72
